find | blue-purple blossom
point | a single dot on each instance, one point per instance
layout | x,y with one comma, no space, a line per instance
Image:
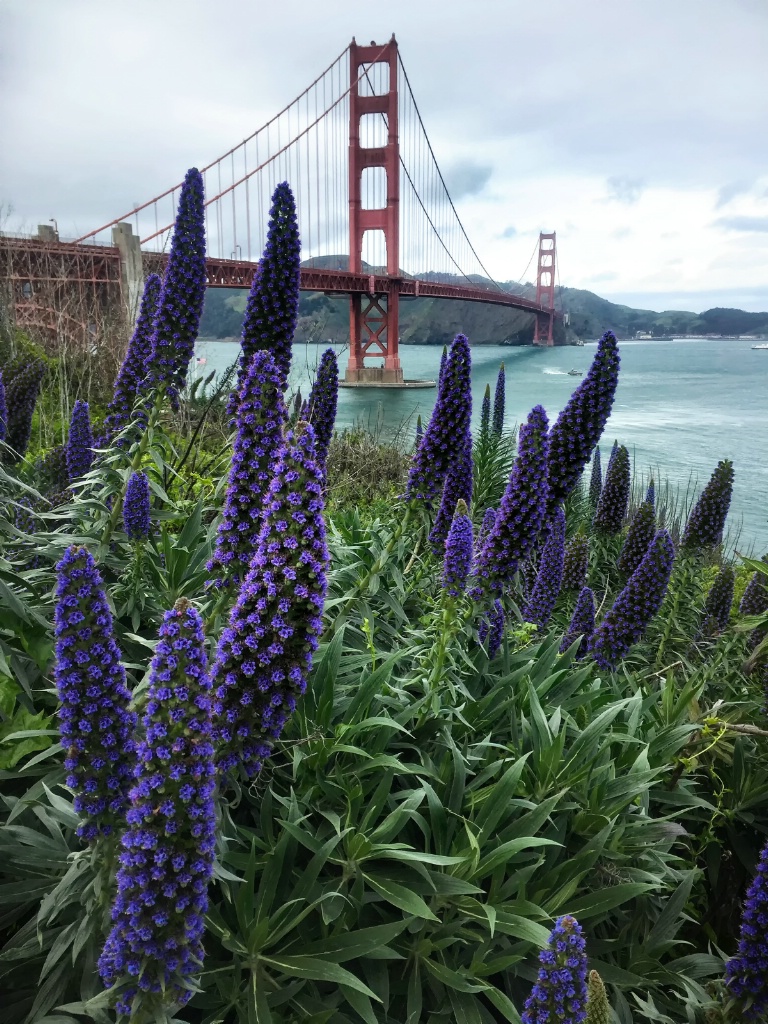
167,851
641,532
579,426
51,470
576,562
95,722
21,393
706,522
136,516
272,310
321,407
80,442
747,972
3,410
485,411
614,497
717,607
419,431
595,479
458,552
447,429
489,518
182,294
265,653
497,423
136,364
443,364
636,605
491,628
754,600
560,993
521,512
549,578
582,621
650,494
260,417
457,487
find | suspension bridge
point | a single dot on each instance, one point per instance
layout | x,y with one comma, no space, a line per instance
376,218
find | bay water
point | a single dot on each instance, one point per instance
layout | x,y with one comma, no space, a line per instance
681,406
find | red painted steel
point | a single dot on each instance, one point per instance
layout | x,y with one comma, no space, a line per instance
545,290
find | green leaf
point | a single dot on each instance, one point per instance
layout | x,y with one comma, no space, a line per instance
401,897
317,970
600,902
362,942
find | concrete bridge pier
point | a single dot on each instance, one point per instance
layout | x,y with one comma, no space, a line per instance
131,268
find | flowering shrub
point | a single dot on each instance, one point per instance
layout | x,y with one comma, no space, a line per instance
457,487
80,442
322,403
497,423
706,522
639,535
595,479
717,608
576,562
614,497
136,514
582,622
458,552
546,589
560,992
747,972
21,397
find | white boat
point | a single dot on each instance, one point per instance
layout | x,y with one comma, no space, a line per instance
760,347
575,373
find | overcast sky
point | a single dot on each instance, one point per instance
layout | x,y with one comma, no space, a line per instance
637,129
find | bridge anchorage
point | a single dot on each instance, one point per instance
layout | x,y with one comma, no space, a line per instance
377,222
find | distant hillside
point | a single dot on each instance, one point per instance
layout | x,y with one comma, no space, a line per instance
435,321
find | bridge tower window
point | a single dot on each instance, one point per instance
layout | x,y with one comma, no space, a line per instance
373,188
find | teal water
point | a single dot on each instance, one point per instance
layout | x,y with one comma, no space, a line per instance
680,406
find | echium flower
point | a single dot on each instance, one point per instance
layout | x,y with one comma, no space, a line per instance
595,479
747,972
641,532
419,431
614,498
457,487
80,442
706,522
136,515
273,302
489,518
458,552
443,364
650,496
136,364
95,722
560,992
182,293
3,410
265,653
447,428
21,397
717,607
261,416
598,1007
321,406
491,628
167,851
521,512
754,600
497,423
582,622
52,469
485,411
636,605
576,562
580,424
541,603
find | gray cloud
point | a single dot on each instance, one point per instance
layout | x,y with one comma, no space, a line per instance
508,232
625,190
743,223
467,178
730,191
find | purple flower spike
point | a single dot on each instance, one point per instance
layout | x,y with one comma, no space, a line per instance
457,487
443,364
80,442
576,563
419,431
521,513
636,605
754,600
265,653
614,498
549,578
560,992
580,424
458,552
136,519
650,494
273,303
261,415
582,622
95,723
641,532
497,424
489,518
706,522
747,972
717,607
3,410
485,411
21,393
167,851
595,479
182,294
136,364
322,403
447,428
491,628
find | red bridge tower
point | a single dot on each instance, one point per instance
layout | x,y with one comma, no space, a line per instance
545,289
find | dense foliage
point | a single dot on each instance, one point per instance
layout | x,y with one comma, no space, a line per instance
510,769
